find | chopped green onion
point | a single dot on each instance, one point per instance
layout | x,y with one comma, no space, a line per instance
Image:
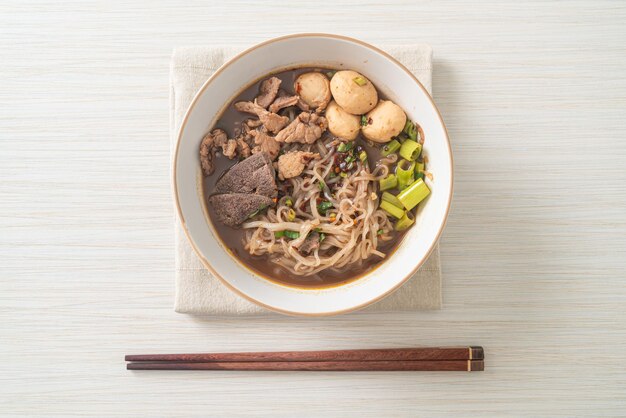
324,206
404,173
344,175
388,197
345,146
379,232
419,169
321,185
292,234
279,234
322,236
350,158
388,182
330,74
390,148
405,222
318,230
332,174
391,209
361,81
256,212
410,130
291,215
410,150
364,120
363,156
414,194
288,202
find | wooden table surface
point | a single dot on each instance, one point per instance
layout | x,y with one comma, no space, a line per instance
534,254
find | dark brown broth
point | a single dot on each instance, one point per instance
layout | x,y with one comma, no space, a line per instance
232,238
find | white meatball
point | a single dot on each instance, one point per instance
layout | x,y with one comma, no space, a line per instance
314,89
341,123
353,92
385,121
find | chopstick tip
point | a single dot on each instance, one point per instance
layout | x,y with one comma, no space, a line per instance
476,366
477,353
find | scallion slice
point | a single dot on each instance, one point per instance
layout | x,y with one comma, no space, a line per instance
405,222
361,81
388,182
292,234
391,209
388,197
411,130
404,172
390,148
410,150
324,206
414,194
345,146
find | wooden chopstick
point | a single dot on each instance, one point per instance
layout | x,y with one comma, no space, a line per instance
386,354
390,365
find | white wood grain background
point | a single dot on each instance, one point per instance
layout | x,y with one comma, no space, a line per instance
534,255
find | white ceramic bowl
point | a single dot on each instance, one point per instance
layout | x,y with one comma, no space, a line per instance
390,77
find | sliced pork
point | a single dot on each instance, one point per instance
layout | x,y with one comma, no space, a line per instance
272,122
215,138
310,243
268,92
264,142
306,129
283,102
292,163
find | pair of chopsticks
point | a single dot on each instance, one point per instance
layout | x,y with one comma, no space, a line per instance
468,359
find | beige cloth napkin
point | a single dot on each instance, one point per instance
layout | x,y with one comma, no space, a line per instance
197,291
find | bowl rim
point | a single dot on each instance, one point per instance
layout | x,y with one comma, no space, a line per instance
183,124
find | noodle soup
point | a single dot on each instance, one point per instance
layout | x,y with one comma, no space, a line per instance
311,177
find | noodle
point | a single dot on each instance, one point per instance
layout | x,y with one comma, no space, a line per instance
350,236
